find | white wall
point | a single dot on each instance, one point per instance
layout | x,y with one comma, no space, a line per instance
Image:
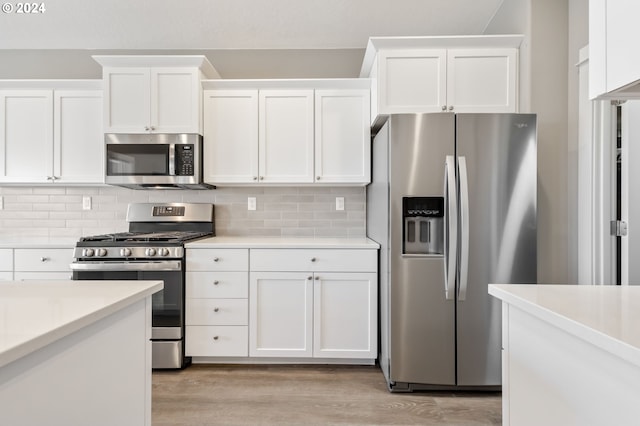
544,89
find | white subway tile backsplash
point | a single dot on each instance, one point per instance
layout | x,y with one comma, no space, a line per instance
56,211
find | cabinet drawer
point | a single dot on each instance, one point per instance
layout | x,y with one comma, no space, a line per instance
217,312
6,260
217,340
316,260
43,260
230,285
217,259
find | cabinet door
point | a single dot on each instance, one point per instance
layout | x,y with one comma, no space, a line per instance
126,104
345,315
175,100
342,136
78,138
481,80
26,136
231,136
280,314
412,81
286,136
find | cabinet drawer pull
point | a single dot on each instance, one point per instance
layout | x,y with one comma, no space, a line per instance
215,337
44,259
216,282
215,259
216,309
313,259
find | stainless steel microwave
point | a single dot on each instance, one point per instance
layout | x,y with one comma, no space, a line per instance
154,161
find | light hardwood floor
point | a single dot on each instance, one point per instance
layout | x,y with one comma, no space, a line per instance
306,395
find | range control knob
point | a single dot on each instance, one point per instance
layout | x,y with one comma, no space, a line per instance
150,252
163,251
126,252
101,252
88,252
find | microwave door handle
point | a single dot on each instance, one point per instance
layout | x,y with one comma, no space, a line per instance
172,159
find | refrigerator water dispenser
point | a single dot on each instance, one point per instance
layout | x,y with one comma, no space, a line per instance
423,226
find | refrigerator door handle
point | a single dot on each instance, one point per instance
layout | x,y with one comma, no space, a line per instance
464,228
451,227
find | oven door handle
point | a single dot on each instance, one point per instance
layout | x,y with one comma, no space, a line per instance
171,265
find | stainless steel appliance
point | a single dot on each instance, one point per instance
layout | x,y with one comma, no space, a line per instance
153,249
453,205
154,161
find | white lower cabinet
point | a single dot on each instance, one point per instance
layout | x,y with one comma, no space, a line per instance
6,264
282,303
311,307
345,315
216,313
42,264
281,314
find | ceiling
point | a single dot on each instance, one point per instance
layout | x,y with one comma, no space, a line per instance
239,31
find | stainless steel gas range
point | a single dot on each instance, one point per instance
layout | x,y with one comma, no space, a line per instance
153,249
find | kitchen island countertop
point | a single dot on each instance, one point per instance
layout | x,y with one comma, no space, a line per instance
570,354
37,313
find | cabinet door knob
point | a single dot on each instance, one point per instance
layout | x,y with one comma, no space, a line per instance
444,107
146,128
44,259
317,177
450,107
216,309
215,337
317,278
152,128
261,177
255,178
216,282
309,278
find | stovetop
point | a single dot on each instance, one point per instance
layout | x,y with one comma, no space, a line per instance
124,238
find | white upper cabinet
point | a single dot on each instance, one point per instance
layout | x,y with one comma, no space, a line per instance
285,136
26,136
78,148
482,80
49,135
278,133
412,81
231,136
614,67
342,136
154,94
149,100
432,74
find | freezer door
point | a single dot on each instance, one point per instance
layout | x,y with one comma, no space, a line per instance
497,153
421,318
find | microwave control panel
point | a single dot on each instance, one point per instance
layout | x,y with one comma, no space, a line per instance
184,160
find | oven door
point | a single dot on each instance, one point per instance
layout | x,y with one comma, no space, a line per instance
168,304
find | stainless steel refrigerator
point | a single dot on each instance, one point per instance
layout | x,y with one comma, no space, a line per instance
453,205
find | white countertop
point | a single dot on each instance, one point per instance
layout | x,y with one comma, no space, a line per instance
37,242
606,316
34,314
284,242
